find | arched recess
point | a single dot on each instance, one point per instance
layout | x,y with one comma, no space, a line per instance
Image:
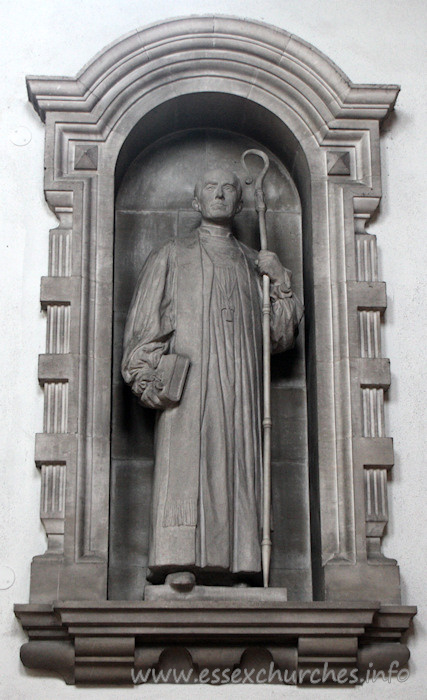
295,101
153,204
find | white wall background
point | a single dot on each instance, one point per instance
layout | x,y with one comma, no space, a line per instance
373,41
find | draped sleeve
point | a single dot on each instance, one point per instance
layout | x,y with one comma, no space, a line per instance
286,314
286,309
150,327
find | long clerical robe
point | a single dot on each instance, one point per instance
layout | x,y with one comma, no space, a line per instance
200,297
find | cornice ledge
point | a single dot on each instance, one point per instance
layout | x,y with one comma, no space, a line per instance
109,641
159,43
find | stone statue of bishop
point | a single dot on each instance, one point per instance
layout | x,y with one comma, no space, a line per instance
193,351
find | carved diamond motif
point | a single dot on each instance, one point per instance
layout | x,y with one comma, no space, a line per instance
85,157
338,163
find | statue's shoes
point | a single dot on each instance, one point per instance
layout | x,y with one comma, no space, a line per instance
181,581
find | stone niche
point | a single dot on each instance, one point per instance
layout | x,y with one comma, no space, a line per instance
125,141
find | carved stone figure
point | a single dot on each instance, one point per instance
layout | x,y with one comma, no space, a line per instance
193,351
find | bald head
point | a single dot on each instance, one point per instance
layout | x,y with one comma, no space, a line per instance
218,196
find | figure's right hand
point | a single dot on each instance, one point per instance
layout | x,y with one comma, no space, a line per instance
154,397
162,387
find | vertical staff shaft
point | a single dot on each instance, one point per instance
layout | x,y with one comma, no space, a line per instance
266,423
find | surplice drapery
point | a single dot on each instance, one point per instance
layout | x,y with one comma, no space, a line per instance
200,297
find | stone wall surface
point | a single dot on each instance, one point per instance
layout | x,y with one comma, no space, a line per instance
373,43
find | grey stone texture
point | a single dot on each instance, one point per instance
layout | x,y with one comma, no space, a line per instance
145,217
95,643
269,88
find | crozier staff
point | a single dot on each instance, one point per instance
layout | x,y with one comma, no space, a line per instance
266,365
193,350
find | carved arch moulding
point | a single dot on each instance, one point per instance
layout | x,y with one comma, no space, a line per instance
223,75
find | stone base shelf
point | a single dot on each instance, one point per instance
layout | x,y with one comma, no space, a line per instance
119,642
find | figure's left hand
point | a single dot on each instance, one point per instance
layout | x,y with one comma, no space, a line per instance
269,264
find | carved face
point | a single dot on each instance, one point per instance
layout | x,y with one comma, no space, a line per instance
218,196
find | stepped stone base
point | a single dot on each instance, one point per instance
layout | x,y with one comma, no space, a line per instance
219,593
258,641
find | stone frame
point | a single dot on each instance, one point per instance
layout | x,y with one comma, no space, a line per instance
328,129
